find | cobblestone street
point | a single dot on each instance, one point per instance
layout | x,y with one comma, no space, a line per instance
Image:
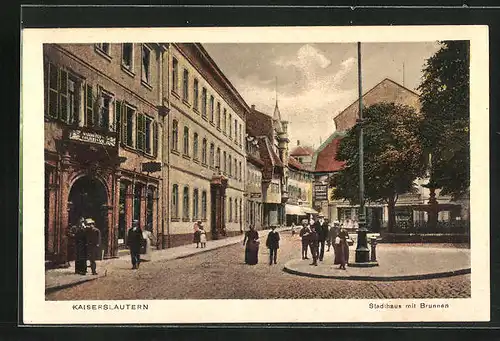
222,274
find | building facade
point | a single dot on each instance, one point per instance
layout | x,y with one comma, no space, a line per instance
254,166
206,147
103,115
299,204
272,135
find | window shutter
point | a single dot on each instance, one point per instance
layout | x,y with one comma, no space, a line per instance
117,122
124,124
53,89
63,95
89,106
137,131
155,139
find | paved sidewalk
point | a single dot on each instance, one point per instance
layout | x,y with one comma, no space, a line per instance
395,263
56,279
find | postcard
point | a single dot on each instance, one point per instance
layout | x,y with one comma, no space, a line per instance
255,175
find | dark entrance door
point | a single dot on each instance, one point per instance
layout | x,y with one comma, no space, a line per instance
88,199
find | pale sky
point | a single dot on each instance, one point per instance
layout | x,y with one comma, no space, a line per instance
315,81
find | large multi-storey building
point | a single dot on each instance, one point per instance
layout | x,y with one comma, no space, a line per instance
206,147
410,207
103,113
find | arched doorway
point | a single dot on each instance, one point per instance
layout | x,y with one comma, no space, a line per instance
88,199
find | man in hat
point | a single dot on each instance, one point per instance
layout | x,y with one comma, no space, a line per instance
305,233
93,237
134,240
321,228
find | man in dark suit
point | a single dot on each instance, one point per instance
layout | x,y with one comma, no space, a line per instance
322,230
134,240
313,244
93,238
273,244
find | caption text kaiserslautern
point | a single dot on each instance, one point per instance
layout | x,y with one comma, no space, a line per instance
110,306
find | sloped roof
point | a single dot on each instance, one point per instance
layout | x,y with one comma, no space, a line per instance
294,163
302,151
386,90
324,160
259,124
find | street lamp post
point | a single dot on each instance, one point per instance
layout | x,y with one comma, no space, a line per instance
362,251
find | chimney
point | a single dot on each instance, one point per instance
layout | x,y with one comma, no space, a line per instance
298,142
253,106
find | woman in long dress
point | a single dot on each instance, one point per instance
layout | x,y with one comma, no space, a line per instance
147,236
341,249
251,243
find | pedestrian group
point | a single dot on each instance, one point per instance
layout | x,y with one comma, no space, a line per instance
87,245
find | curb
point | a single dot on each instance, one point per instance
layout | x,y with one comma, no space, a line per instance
55,288
380,278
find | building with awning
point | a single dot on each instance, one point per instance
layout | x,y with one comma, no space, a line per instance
295,213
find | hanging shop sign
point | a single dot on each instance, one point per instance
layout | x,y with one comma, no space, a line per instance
320,192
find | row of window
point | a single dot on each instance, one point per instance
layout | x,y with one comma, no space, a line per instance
224,123
227,164
127,59
296,192
194,214
72,101
253,177
185,204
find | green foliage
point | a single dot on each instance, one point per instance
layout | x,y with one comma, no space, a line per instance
392,154
445,106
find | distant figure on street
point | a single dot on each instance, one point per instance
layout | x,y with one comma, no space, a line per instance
341,249
93,242
314,245
273,244
203,236
196,235
134,240
251,242
147,237
292,228
321,228
305,233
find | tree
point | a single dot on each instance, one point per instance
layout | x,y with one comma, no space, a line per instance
445,106
392,156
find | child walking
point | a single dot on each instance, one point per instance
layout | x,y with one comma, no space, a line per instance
203,237
273,244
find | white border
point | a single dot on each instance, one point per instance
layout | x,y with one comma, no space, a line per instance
38,311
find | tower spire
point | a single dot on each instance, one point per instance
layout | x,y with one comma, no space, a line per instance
276,89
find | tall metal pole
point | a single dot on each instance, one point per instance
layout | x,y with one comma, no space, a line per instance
362,251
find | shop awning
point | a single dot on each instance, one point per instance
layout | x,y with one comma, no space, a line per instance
299,210
308,210
293,210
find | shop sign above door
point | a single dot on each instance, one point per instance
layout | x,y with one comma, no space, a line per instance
91,137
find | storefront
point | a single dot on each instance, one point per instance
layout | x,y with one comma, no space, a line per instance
81,180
